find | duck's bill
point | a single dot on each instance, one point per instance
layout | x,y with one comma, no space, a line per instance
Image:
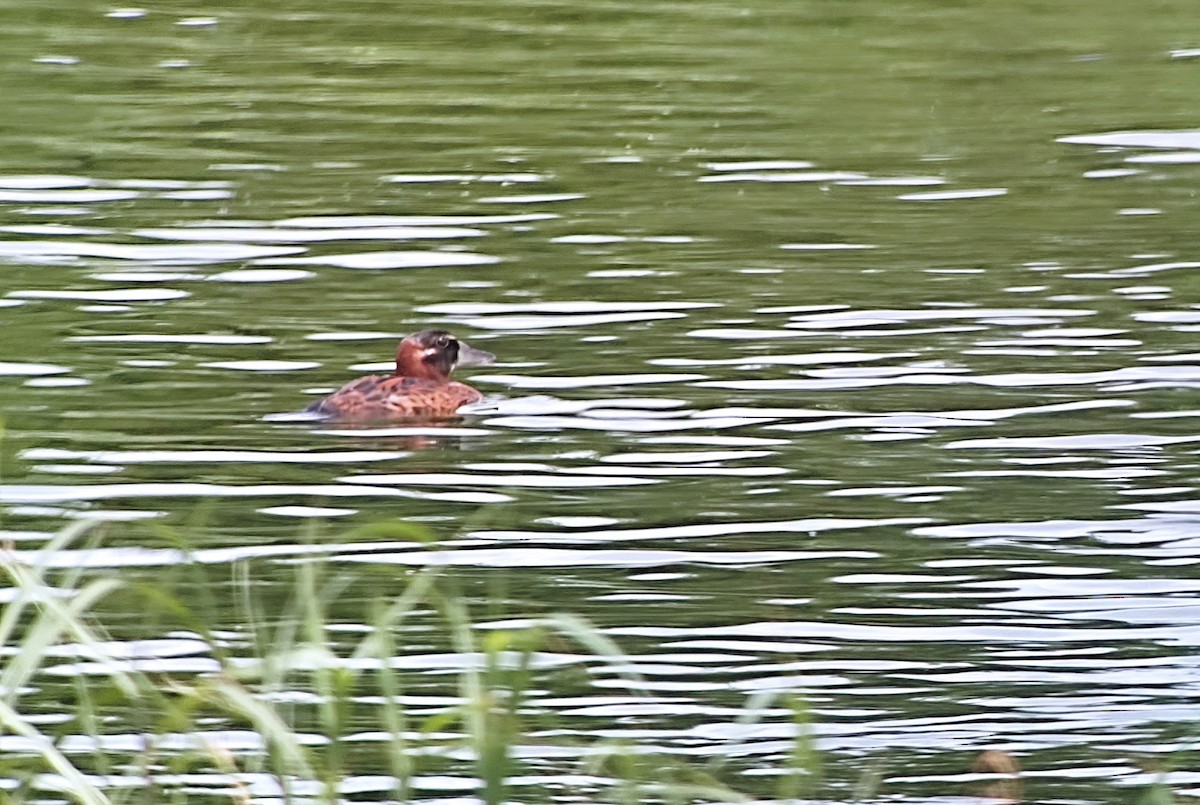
469,356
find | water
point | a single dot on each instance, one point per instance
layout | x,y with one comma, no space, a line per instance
845,352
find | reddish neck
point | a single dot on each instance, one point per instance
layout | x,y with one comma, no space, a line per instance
409,363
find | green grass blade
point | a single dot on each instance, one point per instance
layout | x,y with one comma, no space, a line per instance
80,788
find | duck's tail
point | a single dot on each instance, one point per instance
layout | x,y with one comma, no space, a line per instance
319,408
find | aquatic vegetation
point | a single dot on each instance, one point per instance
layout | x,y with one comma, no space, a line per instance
322,714
280,706
34,621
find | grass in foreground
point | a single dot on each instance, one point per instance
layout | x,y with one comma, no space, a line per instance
322,712
278,674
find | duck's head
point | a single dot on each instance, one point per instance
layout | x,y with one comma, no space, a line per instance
433,354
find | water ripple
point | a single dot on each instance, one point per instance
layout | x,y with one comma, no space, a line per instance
210,456
175,338
1090,441
587,381
521,481
376,221
1153,138
380,261
1019,635
954,195
815,525
201,252
619,423
545,322
574,306
30,493
55,196
262,365
306,235
44,182
1121,380
113,295
804,359
785,176
871,318
532,198
12,369
563,557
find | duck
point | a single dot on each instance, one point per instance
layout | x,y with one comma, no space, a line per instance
419,388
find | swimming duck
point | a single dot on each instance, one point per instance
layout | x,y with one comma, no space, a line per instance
420,388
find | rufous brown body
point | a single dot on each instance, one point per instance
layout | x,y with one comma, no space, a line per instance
420,388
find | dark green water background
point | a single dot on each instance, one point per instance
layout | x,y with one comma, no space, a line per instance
840,353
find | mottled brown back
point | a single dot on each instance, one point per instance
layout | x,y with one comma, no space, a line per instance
380,397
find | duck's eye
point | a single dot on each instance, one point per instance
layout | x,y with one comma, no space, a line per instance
442,342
